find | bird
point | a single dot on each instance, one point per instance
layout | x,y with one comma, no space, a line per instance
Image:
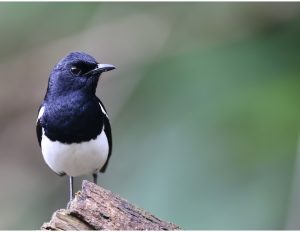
72,126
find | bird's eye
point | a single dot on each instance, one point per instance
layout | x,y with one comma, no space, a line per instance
75,70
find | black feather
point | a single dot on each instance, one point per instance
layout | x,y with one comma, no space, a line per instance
72,119
107,131
39,129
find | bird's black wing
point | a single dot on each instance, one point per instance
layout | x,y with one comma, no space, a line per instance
107,131
39,129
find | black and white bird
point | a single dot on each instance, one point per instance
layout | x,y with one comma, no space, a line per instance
73,128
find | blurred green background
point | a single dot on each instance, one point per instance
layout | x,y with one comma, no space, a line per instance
204,107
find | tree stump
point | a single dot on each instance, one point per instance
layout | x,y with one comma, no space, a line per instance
95,208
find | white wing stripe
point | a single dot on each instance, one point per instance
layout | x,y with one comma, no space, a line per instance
41,112
102,109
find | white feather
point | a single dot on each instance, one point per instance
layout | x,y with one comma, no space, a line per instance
76,159
102,109
41,112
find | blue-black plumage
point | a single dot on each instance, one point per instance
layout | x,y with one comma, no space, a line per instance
73,128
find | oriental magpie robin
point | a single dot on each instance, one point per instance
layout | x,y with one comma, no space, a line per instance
73,128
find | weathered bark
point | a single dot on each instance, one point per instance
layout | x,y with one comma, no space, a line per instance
95,208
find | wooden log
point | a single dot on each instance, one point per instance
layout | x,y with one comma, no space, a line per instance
95,208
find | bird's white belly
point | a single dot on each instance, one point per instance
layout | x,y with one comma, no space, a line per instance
78,158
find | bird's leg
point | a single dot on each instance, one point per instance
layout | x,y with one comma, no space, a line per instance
71,178
71,188
95,177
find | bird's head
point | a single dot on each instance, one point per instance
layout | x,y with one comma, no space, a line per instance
77,71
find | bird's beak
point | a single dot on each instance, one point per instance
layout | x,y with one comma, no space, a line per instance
105,67
100,69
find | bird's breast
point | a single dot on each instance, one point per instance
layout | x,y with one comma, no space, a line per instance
75,123
76,159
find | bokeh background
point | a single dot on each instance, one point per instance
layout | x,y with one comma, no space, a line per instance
204,106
